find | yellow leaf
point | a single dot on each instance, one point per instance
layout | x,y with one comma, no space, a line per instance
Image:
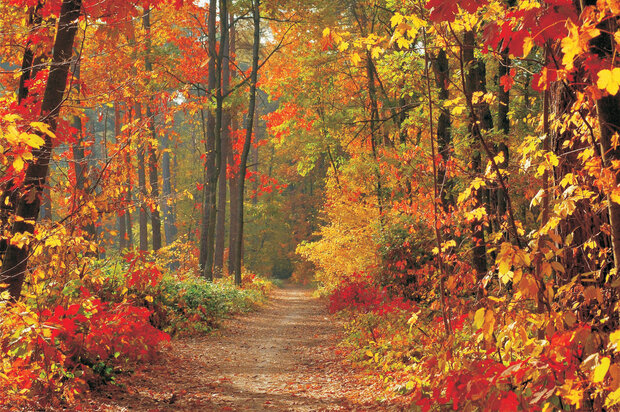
479,318
601,370
375,52
343,46
396,19
489,324
18,164
53,242
43,128
613,398
355,58
609,80
528,43
402,43
326,32
32,140
149,298
458,110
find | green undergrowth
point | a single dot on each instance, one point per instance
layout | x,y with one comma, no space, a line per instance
184,303
195,305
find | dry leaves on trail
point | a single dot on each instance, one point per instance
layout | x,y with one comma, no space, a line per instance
282,357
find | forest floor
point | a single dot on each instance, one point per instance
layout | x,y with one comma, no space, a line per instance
282,357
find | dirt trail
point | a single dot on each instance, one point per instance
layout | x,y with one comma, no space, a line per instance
282,357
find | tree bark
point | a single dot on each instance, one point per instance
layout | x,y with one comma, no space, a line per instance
475,82
80,162
209,206
153,177
170,228
234,178
142,193
444,132
121,221
16,258
220,230
503,125
236,270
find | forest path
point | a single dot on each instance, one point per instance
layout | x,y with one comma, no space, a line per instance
281,357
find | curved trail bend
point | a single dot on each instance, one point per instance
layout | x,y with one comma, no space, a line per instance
281,357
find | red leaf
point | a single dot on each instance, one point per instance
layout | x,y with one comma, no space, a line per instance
507,81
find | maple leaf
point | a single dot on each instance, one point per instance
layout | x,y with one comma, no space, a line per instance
576,42
446,10
507,81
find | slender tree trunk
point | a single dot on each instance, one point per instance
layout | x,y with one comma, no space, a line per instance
247,144
234,178
503,125
170,229
82,185
608,110
255,157
220,230
128,219
121,221
153,177
16,258
374,124
142,194
234,206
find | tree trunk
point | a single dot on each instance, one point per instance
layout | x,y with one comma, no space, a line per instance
142,194
234,206
234,178
16,258
153,178
444,132
80,161
122,222
128,219
503,125
236,270
220,230
374,122
210,199
170,229
475,82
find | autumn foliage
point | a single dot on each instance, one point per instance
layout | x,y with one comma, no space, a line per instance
447,172
479,150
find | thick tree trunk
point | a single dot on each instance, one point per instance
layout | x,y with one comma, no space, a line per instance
236,270
444,132
16,258
209,206
30,67
475,82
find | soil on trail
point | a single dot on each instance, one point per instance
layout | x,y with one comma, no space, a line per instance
281,357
